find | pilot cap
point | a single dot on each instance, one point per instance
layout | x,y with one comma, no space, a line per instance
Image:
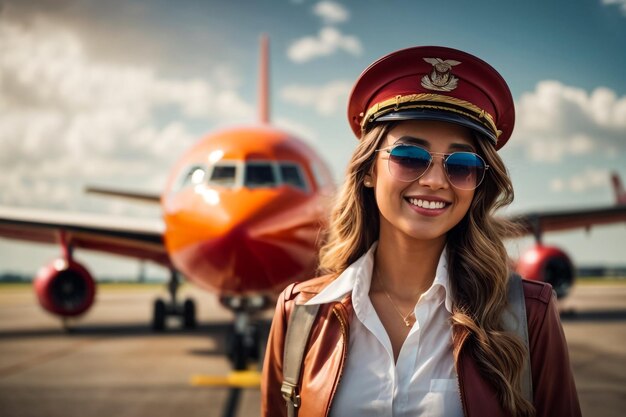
433,83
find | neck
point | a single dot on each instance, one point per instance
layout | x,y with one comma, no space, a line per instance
407,266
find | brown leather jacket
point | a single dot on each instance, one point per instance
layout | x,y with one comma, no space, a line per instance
553,382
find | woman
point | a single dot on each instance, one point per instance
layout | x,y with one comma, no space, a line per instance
411,306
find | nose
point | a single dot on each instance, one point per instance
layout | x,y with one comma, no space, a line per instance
252,240
435,176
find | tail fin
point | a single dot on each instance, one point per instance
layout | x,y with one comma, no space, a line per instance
264,98
618,188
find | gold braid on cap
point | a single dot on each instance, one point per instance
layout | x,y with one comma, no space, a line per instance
430,101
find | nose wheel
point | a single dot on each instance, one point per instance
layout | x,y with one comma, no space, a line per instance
186,311
246,343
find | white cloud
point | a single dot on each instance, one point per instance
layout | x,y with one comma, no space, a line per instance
557,120
68,120
620,3
589,179
331,12
326,100
227,76
557,184
328,41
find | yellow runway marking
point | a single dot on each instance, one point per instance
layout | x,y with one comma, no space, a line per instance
236,379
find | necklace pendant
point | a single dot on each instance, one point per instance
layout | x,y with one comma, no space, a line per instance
407,322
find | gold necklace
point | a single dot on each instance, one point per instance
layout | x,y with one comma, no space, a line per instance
406,320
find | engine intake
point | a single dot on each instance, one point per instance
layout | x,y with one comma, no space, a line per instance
65,288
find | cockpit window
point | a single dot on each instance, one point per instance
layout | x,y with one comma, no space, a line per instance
292,175
195,175
260,175
223,175
250,174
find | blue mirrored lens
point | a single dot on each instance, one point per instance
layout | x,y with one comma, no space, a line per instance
407,163
465,170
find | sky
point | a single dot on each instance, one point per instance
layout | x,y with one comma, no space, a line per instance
112,93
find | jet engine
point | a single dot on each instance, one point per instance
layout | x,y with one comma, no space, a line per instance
548,264
65,288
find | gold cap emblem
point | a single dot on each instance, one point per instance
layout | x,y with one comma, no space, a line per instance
441,78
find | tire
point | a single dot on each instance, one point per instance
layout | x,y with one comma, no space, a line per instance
189,314
238,353
159,315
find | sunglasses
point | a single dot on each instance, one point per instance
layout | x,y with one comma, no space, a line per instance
465,170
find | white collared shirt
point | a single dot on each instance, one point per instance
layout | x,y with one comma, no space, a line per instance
423,382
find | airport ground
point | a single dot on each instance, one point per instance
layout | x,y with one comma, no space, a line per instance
112,364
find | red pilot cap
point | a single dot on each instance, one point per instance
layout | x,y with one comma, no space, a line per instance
433,83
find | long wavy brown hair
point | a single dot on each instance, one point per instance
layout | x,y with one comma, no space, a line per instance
478,287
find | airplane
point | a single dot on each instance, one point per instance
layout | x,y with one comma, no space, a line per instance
242,215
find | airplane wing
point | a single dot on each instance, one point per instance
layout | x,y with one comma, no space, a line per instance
132,237
131,195
547,221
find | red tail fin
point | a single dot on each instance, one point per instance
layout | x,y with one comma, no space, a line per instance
264,98
618,188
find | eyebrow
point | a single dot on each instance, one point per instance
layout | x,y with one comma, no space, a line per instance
463,147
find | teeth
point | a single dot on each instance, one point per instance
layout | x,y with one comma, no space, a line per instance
427,204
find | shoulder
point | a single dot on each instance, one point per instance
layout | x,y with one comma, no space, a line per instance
541,308
537,291
303,291
537,295
538,299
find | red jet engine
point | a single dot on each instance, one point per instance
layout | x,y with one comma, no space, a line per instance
548,264
65,288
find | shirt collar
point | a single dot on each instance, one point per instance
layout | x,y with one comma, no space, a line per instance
442,279
360,270
357,278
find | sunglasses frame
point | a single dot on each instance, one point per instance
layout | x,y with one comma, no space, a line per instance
444,157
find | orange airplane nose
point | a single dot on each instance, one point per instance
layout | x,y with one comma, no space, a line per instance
250,240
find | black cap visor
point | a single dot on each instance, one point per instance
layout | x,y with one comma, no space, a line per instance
437,115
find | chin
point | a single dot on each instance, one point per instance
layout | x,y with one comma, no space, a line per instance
427,233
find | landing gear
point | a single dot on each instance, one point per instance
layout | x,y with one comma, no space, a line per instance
186,312
245,344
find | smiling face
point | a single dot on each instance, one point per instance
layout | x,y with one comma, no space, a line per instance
427,208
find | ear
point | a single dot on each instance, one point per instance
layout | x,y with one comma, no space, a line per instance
368,181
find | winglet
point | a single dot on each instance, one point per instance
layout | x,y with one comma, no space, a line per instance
264,98
618,188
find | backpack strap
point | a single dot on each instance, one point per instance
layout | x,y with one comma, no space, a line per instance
298,330
514,320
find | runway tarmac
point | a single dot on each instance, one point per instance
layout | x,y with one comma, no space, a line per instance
112,364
